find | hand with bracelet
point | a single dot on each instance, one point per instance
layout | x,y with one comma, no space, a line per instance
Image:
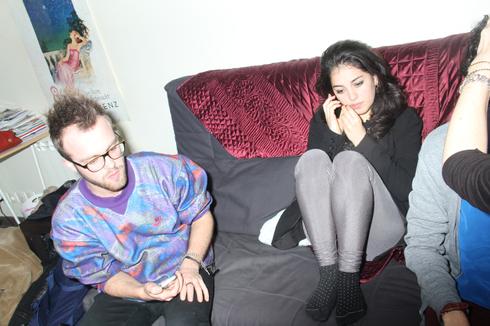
470,112
193,282
479,69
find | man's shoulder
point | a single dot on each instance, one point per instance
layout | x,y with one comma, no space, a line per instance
433,144
437,135
167,162
71,193
71,201
146,155
155,155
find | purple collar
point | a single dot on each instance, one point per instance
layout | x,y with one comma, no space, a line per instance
118,203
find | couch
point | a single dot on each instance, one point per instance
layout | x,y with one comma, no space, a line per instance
246,127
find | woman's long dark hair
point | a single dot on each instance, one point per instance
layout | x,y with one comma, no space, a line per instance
390,99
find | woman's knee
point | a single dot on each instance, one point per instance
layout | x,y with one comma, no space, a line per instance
311,162
348,163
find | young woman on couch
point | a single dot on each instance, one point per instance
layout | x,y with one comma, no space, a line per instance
352,184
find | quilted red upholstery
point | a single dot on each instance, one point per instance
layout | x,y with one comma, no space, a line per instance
264,111
430,75
260,111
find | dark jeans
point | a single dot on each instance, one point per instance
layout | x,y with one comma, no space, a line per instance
108,310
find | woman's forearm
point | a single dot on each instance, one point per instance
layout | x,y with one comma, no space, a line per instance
468,125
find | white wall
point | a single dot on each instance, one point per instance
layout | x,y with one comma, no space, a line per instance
151,42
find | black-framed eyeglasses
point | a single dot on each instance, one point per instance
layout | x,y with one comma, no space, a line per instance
97,163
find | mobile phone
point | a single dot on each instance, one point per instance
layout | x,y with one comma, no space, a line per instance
165,283
337,112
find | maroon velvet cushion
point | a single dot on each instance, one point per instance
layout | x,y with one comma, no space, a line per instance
264,111
429,72
261,111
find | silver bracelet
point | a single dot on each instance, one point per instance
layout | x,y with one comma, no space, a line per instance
210,269
195,258
475,77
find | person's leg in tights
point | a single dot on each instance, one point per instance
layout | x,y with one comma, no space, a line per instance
352,206
313,175
357,190
352,191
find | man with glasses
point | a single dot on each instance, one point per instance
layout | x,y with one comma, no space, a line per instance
136,227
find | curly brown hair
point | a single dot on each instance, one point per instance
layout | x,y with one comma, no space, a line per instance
72,109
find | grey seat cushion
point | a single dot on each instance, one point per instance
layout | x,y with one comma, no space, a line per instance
261,285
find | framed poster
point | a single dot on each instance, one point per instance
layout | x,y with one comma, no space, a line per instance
66,51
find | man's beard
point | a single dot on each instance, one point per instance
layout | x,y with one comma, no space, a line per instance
109,184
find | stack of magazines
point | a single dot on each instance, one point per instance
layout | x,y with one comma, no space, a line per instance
23,123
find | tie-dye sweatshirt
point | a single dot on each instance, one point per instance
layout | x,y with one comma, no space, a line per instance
144,231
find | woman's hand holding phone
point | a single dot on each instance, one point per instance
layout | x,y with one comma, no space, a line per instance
342,119
330,105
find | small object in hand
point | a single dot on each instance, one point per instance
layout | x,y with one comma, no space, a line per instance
165,283
337,112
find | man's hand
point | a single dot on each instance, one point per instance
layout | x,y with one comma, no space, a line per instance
153,291
192,282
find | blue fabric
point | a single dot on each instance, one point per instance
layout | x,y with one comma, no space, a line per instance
474,249
62,303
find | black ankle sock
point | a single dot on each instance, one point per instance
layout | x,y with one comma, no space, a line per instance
324,298
351,305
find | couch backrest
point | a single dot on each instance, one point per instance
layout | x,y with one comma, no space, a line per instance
238,124
264,111
429,72
246,192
